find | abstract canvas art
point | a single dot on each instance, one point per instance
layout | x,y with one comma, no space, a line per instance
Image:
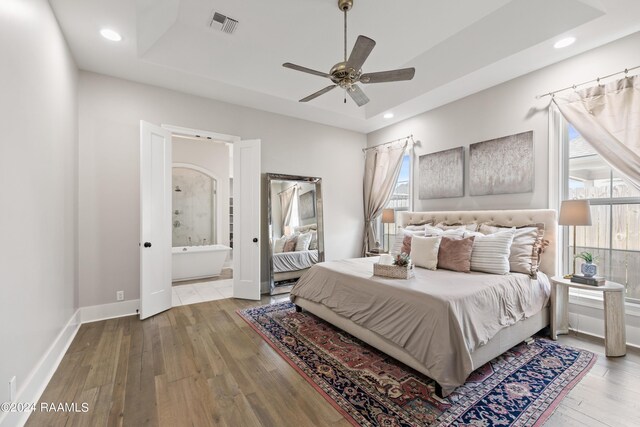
502,165
442,174
307,205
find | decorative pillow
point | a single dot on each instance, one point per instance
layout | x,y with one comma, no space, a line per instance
414,227
425,251
452,232
290,244
399,239
425,222
491,252
526,248
278,245
472,226
314,241
406,245
302,244
455,254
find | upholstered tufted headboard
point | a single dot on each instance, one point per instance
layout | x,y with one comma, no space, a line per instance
514,218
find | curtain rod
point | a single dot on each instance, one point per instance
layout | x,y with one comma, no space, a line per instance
390,142
597,79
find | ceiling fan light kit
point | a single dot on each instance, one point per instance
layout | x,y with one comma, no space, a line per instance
348,73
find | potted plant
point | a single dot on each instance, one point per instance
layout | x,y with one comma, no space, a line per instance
402,260
588,268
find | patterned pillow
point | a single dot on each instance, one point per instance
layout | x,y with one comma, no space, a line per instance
455,254
526,248
314,241
491,252
290,245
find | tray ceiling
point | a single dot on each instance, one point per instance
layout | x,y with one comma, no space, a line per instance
458,47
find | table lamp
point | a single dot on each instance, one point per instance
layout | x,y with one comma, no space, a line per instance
388,217
575,212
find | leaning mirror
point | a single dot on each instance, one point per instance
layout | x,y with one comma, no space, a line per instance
295,228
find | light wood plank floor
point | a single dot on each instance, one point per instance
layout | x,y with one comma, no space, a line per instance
202,365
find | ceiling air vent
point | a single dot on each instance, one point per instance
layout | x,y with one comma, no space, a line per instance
223,23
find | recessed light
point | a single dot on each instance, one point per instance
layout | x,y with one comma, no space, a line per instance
110,35
388,115
564,42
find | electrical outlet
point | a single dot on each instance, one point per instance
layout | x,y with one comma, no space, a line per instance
120,296
12,389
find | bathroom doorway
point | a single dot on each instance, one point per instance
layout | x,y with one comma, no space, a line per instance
202,217
198,197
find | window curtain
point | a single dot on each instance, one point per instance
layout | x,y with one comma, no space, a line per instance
608,117
381,170
287,198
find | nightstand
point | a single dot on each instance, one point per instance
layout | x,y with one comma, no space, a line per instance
614,322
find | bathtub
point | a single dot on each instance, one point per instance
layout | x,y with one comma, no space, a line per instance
196,262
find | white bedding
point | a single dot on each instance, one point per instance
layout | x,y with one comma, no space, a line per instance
293,261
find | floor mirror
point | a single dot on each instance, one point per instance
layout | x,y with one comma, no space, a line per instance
295,228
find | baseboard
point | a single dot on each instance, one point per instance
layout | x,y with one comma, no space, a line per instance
95,313
39,378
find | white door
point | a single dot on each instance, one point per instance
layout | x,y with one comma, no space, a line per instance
246,218
155,220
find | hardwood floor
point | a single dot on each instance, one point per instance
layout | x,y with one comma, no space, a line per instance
202,365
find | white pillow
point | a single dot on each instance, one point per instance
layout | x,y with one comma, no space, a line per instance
490,253
424,251
452,232
472,226
303,242
278,245
397,243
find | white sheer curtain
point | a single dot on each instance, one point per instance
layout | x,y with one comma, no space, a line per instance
288,198
381,170
608,117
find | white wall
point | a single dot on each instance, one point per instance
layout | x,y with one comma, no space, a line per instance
507,109
110,111
214,157
503,110
38,170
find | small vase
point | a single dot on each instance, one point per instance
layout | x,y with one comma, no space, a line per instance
589,269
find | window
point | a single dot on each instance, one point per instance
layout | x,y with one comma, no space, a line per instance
400,199
615,214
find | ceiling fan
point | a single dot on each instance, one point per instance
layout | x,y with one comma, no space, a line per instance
348,73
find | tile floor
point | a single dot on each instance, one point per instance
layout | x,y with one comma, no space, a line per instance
202,292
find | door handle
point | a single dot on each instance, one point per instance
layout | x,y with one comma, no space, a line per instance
147,244
255,240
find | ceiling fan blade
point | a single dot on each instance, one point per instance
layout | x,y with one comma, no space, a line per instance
361,50
318,93
357,95
304,69
388,76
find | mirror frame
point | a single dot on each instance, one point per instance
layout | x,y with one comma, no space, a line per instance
275,290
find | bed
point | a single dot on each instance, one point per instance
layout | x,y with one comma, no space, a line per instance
289,266
441,323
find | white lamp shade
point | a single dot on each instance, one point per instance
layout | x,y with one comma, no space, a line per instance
388,216
575,212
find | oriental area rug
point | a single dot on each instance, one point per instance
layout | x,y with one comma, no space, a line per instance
522,387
